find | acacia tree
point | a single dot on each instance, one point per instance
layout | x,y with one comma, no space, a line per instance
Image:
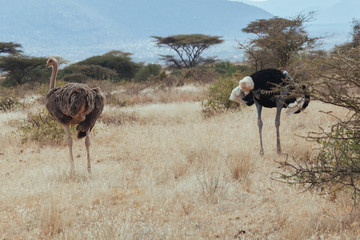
277,40
118,61
21,69
188,48
10,48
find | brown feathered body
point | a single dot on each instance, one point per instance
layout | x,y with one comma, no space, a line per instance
75,103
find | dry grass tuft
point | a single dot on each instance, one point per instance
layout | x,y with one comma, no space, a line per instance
211,187
116,117
240,167
51,223
138,93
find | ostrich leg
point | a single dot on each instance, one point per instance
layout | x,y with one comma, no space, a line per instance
87,144
260,124
279,106
70,144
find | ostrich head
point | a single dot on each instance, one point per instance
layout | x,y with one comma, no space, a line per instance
51,62
246,84
239,93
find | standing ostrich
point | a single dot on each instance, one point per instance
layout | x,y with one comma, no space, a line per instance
72,104
270,88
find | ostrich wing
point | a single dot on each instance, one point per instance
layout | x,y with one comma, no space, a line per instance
92,116
75,99
53,104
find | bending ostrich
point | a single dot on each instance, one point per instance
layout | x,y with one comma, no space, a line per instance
270,88
74,103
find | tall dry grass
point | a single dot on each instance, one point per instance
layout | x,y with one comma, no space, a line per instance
165,172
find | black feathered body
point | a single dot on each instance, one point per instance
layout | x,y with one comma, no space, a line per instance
269,85
75,103
271,88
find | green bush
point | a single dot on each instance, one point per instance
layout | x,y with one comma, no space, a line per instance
228,69
81,73
148,71
340,149
119,62
43,128
218,96
75,77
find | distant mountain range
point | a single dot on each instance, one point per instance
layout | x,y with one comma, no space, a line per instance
342,12
82,28
336,20
77,29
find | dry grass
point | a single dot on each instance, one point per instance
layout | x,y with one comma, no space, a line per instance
134,94
165,172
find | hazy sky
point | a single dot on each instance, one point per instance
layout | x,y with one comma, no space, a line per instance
290,8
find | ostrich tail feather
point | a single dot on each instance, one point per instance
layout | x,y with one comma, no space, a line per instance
81,134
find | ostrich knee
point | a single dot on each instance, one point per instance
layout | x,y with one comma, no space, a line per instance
277,123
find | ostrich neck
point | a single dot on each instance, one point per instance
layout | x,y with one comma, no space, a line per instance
53,76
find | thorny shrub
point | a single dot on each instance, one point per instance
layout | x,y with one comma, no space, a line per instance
334,80
336,164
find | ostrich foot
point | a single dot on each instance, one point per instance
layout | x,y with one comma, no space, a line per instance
261,152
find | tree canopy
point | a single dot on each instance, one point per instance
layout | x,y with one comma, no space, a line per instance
277,40
10,48
118,61
21,69
188,48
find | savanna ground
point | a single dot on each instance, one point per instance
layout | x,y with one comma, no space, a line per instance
161,170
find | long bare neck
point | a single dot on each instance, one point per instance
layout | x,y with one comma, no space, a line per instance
53,75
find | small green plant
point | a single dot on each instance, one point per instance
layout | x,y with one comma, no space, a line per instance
218,96
9,103
43,128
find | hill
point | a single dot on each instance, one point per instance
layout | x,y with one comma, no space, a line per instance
79,29
341,12
335,21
